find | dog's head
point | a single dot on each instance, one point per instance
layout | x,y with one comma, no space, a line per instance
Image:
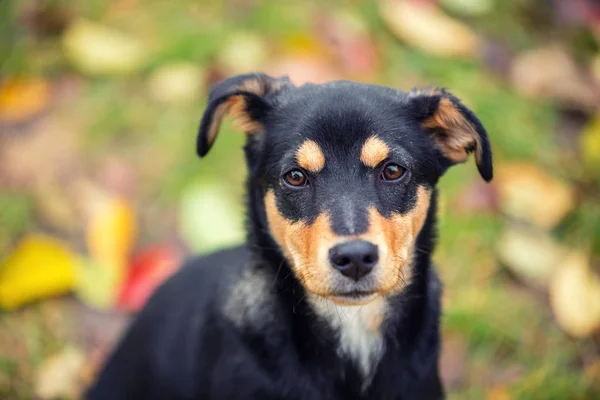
347,172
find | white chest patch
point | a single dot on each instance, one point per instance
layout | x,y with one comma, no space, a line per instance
358,329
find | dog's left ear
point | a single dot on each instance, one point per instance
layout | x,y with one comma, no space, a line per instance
247,98
454,130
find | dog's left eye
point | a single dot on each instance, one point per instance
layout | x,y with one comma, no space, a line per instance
392,172
295,178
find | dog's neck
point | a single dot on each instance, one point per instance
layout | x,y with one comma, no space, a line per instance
360,332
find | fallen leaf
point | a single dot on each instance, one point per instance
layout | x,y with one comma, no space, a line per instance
207,219
39,267
590,144
177,83
551,73
532,255
96,49
111,229
575,296
98,283
148,269
529,193
22,99
243,52
304,45
58,376
424,26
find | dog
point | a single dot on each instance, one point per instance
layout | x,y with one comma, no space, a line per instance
334,295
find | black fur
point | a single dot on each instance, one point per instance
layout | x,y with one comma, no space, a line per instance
182,346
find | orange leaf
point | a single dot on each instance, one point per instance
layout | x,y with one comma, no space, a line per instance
22,98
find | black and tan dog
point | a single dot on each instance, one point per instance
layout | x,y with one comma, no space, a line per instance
334,296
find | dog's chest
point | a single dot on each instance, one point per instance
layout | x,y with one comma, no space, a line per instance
358,332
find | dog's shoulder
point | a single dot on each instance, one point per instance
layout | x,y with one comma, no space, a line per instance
228,287
186,326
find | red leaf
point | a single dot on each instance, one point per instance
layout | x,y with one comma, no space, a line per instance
149,268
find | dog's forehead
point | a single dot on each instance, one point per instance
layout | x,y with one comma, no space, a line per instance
341,120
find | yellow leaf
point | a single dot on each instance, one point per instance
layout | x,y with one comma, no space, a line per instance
39,267
303,45
575,296
111,229
424,26
99,50
177,83
98,283
243,52
590,143
22,98
529,193
207,220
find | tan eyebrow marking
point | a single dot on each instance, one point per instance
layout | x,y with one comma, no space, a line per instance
374,151
310,156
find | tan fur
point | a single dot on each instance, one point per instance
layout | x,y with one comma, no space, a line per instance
428,91
259,87
241,119
374,151
301,244
307,246
235,106
310,156
459,135
358,324
215,123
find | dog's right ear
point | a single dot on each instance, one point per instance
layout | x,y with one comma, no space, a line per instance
247,98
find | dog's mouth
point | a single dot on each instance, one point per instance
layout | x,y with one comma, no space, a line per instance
354,297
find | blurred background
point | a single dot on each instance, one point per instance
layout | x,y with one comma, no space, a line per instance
102,195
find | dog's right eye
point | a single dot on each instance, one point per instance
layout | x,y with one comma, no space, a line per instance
295,178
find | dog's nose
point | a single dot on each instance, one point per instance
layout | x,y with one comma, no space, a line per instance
354,259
